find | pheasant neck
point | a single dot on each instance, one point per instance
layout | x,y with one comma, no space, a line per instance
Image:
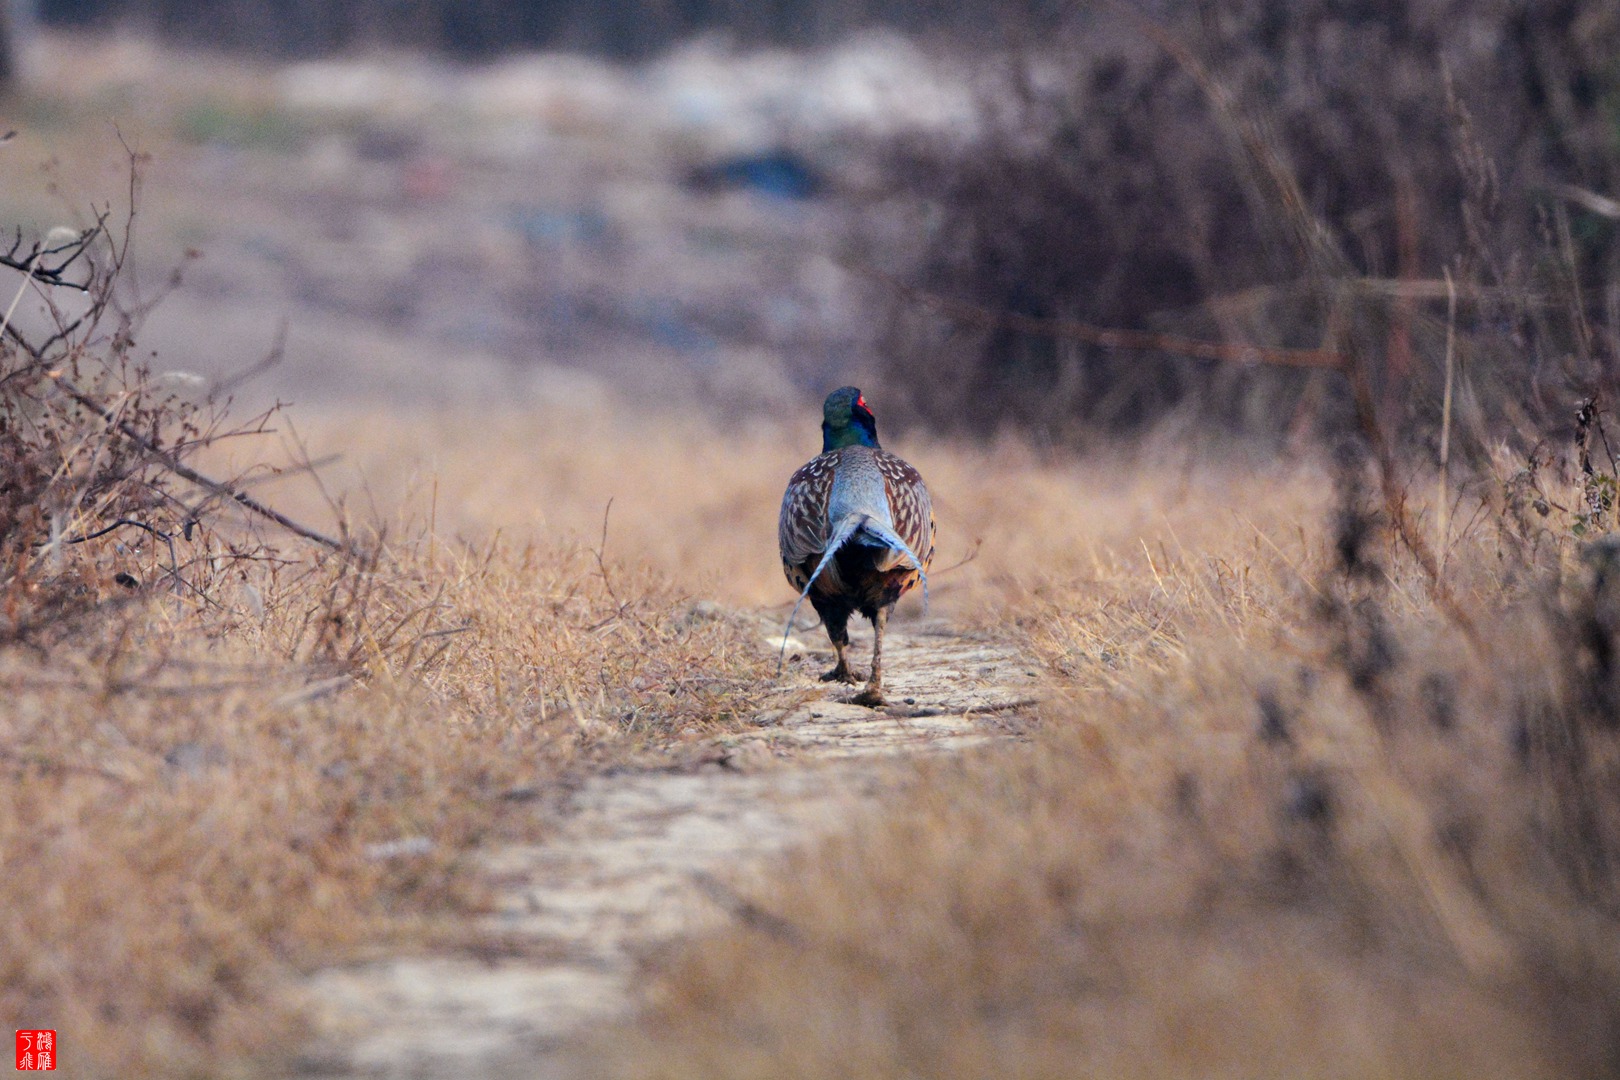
853,433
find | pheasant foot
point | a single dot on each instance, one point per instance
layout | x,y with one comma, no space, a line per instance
843,673
871,697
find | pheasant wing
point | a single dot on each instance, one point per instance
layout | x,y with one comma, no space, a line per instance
801,530
909,505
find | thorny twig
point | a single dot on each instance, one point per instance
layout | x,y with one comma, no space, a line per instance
978,542
174,567
185,472
46,265
621,607
38,353
119,524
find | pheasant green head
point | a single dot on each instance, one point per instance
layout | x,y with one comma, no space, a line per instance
846,421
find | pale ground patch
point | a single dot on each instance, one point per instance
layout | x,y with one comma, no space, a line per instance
641,860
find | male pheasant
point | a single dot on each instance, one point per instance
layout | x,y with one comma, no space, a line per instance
856,532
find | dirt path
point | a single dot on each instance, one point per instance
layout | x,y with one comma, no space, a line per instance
640,860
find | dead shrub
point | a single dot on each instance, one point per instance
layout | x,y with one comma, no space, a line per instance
1252,175
236,749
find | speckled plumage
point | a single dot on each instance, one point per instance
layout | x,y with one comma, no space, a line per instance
876,508
806,520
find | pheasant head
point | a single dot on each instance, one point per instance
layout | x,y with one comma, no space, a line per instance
846,421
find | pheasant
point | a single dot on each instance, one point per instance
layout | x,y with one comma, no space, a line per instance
856,532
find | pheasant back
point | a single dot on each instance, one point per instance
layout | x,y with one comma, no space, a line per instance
878,499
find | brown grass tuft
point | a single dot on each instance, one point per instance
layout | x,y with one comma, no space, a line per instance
209,791
1282,818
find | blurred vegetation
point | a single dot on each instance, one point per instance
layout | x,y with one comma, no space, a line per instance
1231,172
8,48
476,28
1257,173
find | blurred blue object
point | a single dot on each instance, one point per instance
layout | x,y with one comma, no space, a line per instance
779,174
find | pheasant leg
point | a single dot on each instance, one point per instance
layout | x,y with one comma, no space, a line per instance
872,696
836,617
841,672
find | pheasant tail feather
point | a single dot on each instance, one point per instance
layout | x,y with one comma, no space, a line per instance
870,531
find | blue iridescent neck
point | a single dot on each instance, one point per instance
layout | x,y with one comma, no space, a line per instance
851,434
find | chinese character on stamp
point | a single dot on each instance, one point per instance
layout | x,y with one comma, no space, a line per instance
36,1050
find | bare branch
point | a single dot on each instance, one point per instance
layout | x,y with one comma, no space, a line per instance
278,350
185,472
46,265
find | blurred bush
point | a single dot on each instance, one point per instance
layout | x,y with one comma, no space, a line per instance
1393,183
474,28
1288,174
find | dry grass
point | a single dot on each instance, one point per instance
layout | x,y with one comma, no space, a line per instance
1233,174
290,759
202,800
697,497
243,757
1281,819
1281,816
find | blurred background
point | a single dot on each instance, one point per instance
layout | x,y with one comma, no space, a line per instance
744,204
486,28
1328,737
